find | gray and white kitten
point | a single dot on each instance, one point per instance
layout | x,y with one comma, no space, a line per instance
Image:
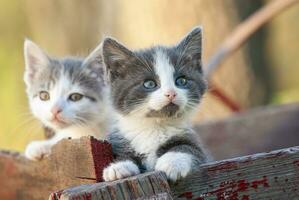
67,95
154,93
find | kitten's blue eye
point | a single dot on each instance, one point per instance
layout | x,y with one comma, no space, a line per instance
149,84
75,97
181,81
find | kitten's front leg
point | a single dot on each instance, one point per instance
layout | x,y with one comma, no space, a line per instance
120,170
37,150
176,165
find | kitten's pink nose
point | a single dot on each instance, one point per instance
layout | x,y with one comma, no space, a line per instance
170,95
56,110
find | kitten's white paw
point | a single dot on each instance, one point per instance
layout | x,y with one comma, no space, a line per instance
37,150
119,170
176,165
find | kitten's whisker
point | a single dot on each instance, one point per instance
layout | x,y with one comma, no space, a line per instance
139,109
34,129
81,121
133,103
22,115
22,124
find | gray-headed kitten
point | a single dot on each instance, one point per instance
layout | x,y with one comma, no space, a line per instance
154,93
67,95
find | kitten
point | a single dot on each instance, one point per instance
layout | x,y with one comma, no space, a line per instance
154,93
67,95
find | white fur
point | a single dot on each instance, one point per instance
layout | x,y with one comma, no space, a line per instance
147,135
37,150
36,59
176,165
31,50
119,170
58,95
165,71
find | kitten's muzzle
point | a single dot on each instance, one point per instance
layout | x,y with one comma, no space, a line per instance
167,111
55,111
56,116
171,94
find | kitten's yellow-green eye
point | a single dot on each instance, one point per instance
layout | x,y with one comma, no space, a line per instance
75,97
44,96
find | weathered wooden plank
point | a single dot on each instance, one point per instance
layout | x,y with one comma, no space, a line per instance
126,189
273,175
72,162
259,130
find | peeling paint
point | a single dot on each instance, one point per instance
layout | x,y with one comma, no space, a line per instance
296,162
231,190
224,166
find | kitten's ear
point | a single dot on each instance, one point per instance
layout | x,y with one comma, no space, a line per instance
116,56
93,63
190,45
35,60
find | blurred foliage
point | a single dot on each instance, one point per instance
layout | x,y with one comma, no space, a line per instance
75,27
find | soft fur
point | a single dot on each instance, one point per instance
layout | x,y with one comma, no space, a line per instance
153,124
61,78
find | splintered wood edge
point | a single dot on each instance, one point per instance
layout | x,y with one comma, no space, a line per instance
83,140
273,175
151,185
72,162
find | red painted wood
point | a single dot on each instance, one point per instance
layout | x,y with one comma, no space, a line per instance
102,156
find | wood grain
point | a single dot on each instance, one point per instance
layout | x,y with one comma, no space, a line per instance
151,185
72,162
273,175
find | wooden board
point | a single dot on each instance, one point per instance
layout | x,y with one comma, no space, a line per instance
259,130
72,162
273,175
152,185
76,162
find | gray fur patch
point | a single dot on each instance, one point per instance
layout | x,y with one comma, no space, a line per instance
70,68
127,70
185,143
167,111
44,72
122,149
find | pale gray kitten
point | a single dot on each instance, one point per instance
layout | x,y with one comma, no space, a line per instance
67,95
154,93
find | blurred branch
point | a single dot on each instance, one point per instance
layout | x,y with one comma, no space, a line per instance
240,35
237,38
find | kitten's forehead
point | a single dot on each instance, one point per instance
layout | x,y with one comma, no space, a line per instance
163,68
81,75
162,61
166,61
66,72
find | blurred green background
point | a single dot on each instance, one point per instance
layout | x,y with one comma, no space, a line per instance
264,72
